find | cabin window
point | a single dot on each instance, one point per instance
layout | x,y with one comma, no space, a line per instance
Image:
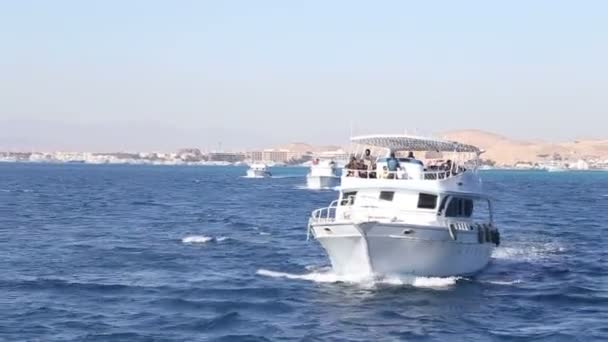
467,207
427,201
387,195
348,198
460,207
453,209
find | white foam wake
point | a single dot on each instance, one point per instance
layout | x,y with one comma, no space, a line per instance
505,282
196,239
364,279
317,277
200,239
531,252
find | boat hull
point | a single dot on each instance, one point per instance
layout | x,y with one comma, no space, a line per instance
382,249
322,182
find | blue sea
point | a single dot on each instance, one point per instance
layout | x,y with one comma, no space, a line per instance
152,253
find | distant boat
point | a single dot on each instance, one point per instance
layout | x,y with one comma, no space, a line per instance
258,170
323,174
555,168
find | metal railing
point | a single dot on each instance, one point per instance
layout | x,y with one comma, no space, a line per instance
324,215
400,174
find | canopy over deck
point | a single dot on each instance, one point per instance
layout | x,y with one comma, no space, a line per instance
413,143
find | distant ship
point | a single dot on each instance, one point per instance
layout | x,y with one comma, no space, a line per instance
323,174
555,166
258,170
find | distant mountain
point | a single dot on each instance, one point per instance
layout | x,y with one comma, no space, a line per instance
508,151
502,150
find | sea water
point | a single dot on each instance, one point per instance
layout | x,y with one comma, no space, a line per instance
154,253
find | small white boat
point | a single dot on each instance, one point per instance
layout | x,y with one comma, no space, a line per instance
323,174
258,170
555,166
403,217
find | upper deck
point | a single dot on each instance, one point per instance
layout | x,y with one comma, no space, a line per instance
457,172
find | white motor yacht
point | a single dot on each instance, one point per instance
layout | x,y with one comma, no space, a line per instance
258,170
402,217
323,174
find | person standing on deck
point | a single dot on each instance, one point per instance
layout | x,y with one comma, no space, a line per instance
412,159
368,162
393,166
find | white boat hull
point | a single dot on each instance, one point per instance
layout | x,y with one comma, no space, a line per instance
322,182
381,249
257,174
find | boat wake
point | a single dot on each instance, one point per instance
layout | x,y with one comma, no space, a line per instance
364,280
504,282
532,252
201,239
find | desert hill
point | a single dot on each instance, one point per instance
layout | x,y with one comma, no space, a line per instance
506,151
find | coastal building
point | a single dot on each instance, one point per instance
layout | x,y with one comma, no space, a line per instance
229,157
273,155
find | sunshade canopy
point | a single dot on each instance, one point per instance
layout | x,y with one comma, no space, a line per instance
413,143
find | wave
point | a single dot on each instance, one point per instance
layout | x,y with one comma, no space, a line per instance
200,239
365,279
528,253
150,203
17,190
504,282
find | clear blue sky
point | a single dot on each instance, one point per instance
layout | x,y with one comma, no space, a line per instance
144,75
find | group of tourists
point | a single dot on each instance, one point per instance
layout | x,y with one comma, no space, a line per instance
363,167
366,167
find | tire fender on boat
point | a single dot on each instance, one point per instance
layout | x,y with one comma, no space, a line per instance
488,234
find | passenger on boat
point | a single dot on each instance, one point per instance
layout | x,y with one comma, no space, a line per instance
384,173
367,158
367,165
412,159
393,166
352,165
448,167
